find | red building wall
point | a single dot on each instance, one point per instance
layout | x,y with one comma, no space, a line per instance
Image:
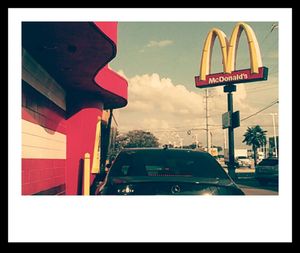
43,124
80,140
43,172
65,88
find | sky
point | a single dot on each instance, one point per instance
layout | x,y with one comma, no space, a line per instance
161,59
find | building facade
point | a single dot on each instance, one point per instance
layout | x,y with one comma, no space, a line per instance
67,87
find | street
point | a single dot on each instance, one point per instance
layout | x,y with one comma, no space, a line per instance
246,181
250,186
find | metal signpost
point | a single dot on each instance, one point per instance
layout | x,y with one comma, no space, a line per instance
231,164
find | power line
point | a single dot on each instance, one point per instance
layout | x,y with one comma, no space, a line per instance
113,116
265,108
262,89
257,86
274,25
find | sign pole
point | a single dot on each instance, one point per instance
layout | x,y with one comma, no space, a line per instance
231,165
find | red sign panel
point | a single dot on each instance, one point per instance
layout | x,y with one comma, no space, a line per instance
239,76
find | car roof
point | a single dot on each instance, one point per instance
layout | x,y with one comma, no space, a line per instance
163,149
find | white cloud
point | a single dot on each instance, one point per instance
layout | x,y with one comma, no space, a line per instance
159,95
167,109
156,44
161,43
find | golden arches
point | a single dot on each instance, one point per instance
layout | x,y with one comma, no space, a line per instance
255,57
207,51
229,49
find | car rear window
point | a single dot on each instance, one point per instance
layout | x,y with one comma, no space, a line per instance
269,162
166,163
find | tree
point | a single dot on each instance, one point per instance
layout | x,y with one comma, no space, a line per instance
140,138
255,137
119,143
191,146
133,139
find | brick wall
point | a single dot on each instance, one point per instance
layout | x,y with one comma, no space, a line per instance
43,144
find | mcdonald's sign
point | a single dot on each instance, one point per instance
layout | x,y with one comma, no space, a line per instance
230,75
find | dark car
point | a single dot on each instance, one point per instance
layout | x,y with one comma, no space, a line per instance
162,171
267,171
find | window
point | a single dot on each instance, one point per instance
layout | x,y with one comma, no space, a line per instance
166,163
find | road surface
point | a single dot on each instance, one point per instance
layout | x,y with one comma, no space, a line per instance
250,186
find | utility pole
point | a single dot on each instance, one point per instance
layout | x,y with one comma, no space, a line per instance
274,133
181,142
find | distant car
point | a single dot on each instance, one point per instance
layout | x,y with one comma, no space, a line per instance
243,161
164,171
267,171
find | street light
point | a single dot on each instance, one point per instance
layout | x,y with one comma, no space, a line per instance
274,133
196,140
189,132
211,139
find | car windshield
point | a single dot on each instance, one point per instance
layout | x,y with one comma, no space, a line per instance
268,162
166,163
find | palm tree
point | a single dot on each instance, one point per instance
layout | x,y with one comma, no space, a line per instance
255,137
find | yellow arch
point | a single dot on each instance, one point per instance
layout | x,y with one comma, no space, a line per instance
207,51
229,49
255,56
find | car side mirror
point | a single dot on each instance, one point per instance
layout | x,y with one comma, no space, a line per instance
102,175
104,172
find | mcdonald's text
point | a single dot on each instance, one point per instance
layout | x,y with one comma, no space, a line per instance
238,76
